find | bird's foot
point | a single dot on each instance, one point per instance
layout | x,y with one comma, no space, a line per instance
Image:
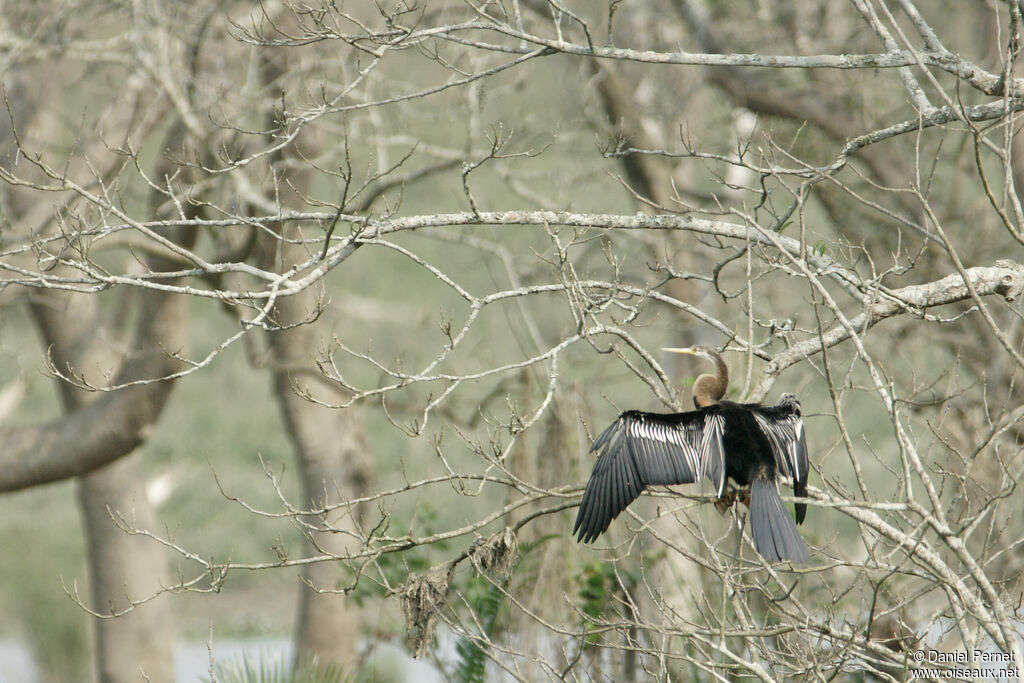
730,497
723,504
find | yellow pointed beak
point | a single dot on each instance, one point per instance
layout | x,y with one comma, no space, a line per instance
689,350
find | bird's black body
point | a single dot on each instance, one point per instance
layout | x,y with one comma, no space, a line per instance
752,444
748,451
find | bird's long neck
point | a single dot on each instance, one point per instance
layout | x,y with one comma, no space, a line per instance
709,389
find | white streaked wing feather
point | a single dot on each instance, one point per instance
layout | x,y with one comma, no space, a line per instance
677,452
641,449
713,451
784,436
674,440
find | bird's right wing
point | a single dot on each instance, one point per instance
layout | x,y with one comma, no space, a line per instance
783,426
641,449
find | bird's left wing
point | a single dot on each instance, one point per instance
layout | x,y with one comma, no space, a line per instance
783,425
642,449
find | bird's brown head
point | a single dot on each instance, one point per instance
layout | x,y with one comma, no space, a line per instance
708,389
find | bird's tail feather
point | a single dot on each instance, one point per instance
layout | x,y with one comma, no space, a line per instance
773,529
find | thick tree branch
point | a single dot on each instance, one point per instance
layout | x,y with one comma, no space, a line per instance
1005,278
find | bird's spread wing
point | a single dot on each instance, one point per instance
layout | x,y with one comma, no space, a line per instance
784,428
641,449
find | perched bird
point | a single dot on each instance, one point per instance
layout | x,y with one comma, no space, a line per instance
752,444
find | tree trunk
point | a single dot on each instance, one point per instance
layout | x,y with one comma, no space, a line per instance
331,454
121,567
329,444
124,567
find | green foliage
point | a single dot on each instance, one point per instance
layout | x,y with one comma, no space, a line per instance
485,604
599,584
271,667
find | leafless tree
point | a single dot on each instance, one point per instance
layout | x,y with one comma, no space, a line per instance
455,234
